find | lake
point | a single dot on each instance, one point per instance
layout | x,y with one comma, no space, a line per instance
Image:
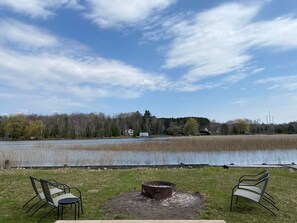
59,153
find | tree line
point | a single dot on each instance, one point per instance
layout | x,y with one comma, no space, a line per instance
99,125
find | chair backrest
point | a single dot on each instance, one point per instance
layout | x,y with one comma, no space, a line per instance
263,184
33,182
46,191
263,174
254,178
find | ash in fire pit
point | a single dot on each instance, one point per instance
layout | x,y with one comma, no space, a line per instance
157,189
181,205
157,200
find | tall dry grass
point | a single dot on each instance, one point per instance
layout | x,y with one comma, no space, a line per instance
245,142
204,143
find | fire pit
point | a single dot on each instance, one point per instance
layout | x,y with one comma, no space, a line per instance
157,189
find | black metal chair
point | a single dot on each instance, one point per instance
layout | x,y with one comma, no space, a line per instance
54,201
57,188
250,192
247,182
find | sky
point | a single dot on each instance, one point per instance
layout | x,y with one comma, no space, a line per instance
218,59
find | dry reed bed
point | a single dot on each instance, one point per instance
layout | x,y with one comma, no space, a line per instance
204,143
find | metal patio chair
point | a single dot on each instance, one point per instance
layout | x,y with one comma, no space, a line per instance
258,197
248,182
57,189
54,201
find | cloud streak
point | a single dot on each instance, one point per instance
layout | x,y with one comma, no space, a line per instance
288,83
24,35
219,41
44,67
118,13
37,8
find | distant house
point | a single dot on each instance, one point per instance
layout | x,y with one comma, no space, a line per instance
129,132
204,132
7,136
143,134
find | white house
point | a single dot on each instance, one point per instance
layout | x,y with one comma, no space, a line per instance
143,134
129,132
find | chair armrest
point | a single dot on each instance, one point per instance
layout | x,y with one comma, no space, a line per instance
257,182
247,180
255,176
75,189
59,185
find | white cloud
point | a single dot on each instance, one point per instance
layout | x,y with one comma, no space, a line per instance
35,8
258,70
58,72
235,78
38,8
218,41
104,13
84,77
24,35
118,13
280,32
288,83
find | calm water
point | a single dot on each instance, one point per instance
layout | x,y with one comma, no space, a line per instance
58,153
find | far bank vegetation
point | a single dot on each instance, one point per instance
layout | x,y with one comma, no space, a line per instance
99,125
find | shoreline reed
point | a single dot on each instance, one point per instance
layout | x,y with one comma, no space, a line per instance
202,143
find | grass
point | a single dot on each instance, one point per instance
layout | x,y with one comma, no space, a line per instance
98,186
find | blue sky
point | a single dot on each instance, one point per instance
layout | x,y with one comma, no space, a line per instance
217,59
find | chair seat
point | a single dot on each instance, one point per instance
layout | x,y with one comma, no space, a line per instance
56,199
250,187
248,194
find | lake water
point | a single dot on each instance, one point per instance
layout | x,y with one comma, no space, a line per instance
57,153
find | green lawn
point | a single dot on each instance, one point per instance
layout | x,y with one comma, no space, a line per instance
97,186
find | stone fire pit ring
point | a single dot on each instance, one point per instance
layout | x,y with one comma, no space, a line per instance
157,189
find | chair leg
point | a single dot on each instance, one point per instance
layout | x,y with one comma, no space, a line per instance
75,206
38,209
29,201
44,215
81,205
272,203
269,195
33,206
78,210
231,202
267,209
58,212
268,198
